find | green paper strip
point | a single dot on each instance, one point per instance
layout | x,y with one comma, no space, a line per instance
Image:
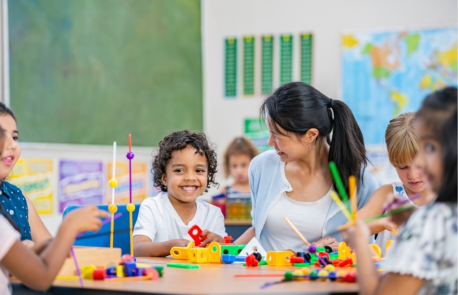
306,58
248,65
286,59
231,67
267,64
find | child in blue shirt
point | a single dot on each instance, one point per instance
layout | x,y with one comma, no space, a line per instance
19,208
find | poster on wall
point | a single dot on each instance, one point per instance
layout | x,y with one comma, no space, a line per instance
267,61
385,74
248,65
380,167
80,183
35,179
257,132
230,67
140,179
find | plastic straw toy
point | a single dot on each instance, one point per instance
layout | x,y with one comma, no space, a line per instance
130,207
296,231
116,216
401,202
78,270
341,205
353,201
113,183
338,182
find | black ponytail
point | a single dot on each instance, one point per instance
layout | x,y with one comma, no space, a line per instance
347,148
296,107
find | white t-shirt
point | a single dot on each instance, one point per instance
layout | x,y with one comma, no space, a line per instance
280,236
8,235
159,221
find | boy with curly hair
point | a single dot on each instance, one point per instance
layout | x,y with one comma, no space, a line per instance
184,168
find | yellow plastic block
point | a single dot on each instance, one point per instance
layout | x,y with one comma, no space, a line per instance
388,245
279,258
182,252
199,255
344,251
376,249
119,271
87,271
214,252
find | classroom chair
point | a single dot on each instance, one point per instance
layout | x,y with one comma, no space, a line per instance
121,233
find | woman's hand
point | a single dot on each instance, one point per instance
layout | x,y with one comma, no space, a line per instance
328,241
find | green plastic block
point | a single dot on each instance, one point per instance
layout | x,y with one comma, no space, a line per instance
182,265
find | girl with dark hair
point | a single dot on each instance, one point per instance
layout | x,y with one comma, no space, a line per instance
307,130
423,259
19,208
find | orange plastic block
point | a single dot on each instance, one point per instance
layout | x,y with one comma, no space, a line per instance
182,252
279,258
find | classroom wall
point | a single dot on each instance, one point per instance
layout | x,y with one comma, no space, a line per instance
327,20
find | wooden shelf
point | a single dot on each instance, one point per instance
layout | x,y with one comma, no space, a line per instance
238,221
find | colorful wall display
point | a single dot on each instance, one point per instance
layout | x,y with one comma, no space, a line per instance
385,74
35,179
257,132
140,177
80,183
231,67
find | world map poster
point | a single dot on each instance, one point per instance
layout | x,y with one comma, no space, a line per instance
385,74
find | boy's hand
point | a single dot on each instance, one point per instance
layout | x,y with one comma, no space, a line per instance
85,219
328,241
211,237
179,243
357,235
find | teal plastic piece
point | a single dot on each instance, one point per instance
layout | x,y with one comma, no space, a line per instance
182,265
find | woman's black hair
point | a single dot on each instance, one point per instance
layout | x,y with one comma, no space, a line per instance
438,112
297,107
177,141
4,110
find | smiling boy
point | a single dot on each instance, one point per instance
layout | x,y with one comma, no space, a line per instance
184,168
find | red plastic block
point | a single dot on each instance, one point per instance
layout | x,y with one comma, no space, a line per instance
196,236
250,260
346,262
296,259
98,274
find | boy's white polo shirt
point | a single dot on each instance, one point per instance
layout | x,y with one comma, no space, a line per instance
159,221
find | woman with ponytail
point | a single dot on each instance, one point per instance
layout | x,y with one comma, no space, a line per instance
307,130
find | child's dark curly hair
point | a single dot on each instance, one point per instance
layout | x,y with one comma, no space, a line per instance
177,141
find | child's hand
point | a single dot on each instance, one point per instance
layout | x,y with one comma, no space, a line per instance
357,235
211,237
397,219
85,219
328,241
179,243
